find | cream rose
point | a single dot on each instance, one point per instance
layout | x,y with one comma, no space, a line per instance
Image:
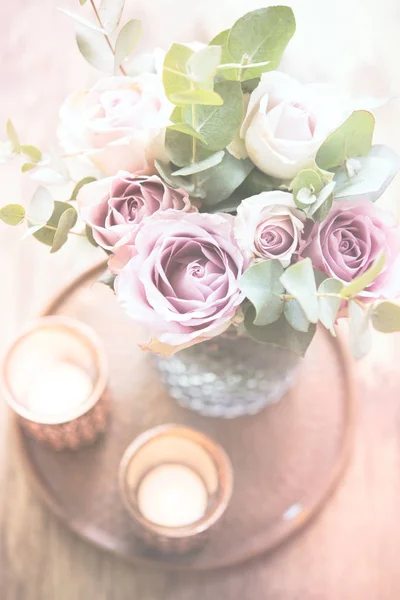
286,122
117,125
269,226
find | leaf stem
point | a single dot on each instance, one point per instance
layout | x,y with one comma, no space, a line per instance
96,12
243,62
51,228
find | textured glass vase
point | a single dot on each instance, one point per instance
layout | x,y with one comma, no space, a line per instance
228,376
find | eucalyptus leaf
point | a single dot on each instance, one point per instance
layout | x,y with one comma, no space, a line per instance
193,96
259,36
329,306
279,333
30,231
350,140
179,148
307,179
110,12
89,235
175,77
45,234
299,281
385,317
82,2
12,136
12,214
359,330
226,58
295,316
203,165
34,154
188,130
41,207
94,49
28,167
80,185
362,281
258,182
66,222
203,64
320,209
165,170
260,283
220,182
82,21
376,172
127,41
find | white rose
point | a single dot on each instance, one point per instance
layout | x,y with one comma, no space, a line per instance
117,125
269,226
286,123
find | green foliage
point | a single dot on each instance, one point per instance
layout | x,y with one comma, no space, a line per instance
179,148
295,316
204,97
94,49
80,185
165,170
12,136
34,154
258,182
175,77
12,214
320,210
127,41
45,234
299,281
261,285
359,284
219,183
350,140
329,306
203,64
359,330
385,317
89,235
187,130
226,58
82,2
28,167
66,222
280,333
108,279
110,12
309,180
261,36
203,165
82,21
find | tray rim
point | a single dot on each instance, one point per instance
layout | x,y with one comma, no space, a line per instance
281,538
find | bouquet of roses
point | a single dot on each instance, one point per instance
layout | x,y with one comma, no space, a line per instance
224,191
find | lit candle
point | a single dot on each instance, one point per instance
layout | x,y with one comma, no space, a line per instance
59,389
172,495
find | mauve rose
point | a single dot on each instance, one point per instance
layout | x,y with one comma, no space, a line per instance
286,122
115,207
182,281
117,125
269,226
351,238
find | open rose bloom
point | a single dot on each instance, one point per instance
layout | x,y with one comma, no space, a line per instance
224,192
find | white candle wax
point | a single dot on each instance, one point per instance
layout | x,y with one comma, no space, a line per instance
61,388
172,495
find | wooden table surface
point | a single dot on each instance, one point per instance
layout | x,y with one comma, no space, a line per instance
352,550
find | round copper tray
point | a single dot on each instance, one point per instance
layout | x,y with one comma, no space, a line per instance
287,460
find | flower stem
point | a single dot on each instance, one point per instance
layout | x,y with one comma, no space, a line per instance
96,12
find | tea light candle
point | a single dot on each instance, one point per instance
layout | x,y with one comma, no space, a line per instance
61,388
172,495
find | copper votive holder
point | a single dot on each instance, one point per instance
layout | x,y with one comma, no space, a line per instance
55,377
185,448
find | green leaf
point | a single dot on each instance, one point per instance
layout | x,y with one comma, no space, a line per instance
12,214
187,130
41,207
81,20
203,64
350,140
65,224
110,12
127,40
359,330
295,316
220,182
94,49
82,2
89,235
32,153
320,210
259,36
176,115
257,182
386,317
46,233
307,179
203,165
108,279
80,185
179,148
175,77
362,281
226,58
219,124
12,136
261,285
299,281
28,167
203,97
329,307
279,333
165,170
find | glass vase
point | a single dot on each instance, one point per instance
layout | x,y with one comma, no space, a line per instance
228,376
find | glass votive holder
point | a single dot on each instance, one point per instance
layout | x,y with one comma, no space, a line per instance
176,484
54,377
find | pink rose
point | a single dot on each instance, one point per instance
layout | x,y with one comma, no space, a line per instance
117,125
348,242
116,207
183,279
269,226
